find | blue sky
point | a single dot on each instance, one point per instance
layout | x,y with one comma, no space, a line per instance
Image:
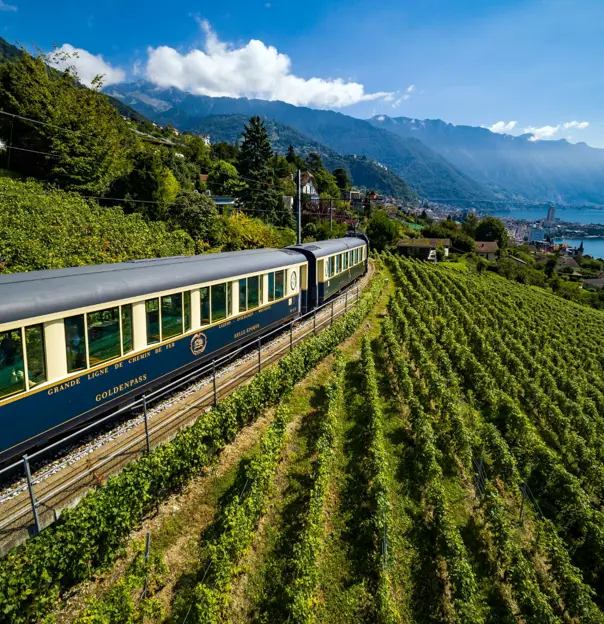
536,63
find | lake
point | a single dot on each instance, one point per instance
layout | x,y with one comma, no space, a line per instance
574,215
592,246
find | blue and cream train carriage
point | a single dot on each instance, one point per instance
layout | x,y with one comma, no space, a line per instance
78,342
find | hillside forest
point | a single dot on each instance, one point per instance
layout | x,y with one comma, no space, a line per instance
103,184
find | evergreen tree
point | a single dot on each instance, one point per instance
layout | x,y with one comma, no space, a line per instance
259,196
342,178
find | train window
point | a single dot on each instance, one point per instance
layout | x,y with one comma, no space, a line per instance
204,293
345,260
152,309
103,335
356,255
36,361
253,294
350,258
219,302
279,284
75,343
242,295
186,298
171,316
332,266
127,327
12,377
338,263
271,286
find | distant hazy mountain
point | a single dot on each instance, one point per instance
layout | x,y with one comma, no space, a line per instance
424,170
556,171
363,172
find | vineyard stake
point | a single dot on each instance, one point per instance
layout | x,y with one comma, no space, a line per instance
32,496
291,335
346,306
314,322
331,314
259,352
147,549
146,423
523,489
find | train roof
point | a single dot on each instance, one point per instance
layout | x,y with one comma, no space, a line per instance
38,293
320,249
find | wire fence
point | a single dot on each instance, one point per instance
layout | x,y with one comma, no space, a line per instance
66,469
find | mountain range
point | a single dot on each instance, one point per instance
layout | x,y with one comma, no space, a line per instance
438,160
515,166
424,170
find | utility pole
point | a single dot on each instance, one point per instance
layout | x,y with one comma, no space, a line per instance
330,214
299,202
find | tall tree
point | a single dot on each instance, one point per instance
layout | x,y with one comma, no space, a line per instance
342,178
259,195
82,143
314,162
492,229
470,224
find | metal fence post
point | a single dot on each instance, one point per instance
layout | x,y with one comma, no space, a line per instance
32,496
291,335
331,314
146,422
214,381
259,353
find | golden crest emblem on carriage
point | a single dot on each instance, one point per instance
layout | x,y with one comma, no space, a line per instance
199,342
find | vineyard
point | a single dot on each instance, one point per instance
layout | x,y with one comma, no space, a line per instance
444,464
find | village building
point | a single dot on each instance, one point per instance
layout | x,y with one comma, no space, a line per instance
424,248
489,250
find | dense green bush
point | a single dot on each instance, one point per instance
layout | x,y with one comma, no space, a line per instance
42,228
33,576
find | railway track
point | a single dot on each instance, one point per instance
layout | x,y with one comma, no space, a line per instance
61,482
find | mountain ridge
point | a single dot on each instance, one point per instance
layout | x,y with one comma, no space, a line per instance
515,166
425,171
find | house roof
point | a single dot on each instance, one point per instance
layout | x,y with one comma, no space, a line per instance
568,261
486,246
429,243
38,293
596,283
306,177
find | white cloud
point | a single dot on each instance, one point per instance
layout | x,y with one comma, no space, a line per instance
7,7
252,70
397,99
579,125
502,127
88,65
545,132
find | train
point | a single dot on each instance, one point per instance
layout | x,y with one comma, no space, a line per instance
77,343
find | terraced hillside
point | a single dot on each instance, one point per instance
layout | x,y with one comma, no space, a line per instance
445,464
